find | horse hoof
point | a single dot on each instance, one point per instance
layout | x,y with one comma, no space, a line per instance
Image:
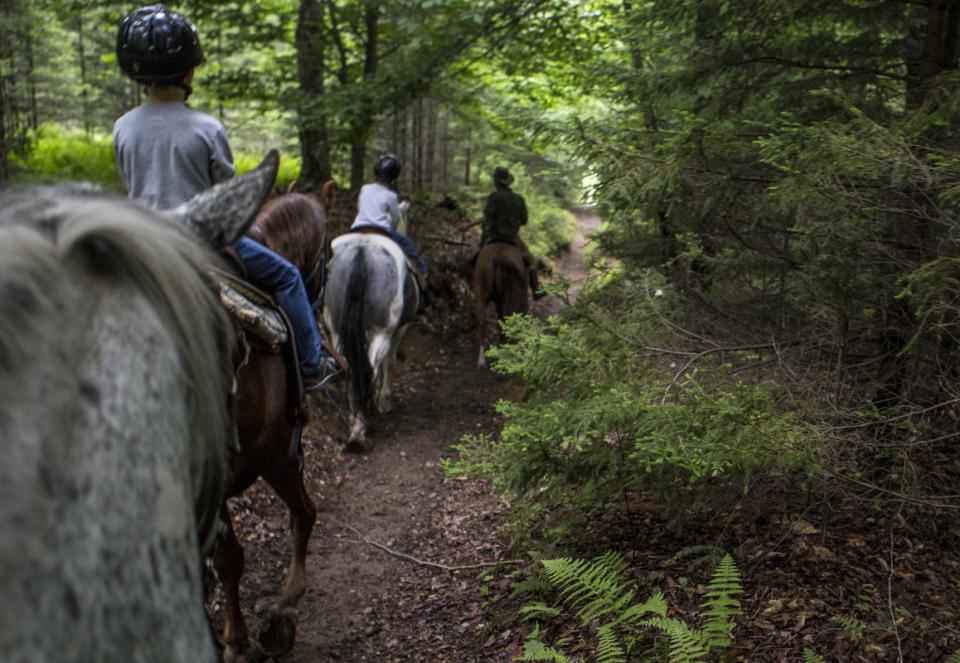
355,447
278,633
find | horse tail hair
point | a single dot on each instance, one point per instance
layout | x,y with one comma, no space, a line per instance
512,285
353,334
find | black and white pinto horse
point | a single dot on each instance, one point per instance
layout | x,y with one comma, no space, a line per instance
115,421
371,298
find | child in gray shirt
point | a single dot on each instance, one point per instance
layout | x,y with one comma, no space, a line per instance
167,153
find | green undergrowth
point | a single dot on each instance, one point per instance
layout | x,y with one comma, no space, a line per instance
603,416
56,153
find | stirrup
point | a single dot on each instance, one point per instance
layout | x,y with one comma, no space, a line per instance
329,373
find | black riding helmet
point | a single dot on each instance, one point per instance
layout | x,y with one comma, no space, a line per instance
387,168
156,45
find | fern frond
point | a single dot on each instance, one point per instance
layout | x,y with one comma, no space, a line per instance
853,626
810,656
597,584
720,606
656,604
954,657
609,649
686,644
537,609
699,555
537,585
534,650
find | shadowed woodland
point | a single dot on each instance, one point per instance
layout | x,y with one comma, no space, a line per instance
738,439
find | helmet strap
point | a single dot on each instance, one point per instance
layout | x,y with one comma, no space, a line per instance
188,90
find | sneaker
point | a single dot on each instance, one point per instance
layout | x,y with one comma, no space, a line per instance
329,373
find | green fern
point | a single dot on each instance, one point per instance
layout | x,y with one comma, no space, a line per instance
534,650
609,649
851,625
596,586
810,656
721,607
954,657
687,645
538,609
601,597
536,585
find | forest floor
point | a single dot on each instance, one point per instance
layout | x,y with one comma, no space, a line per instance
389,520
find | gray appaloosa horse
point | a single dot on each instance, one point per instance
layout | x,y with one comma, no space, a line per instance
371,298
115,422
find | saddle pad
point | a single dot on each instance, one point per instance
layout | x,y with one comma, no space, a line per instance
373,230
253,309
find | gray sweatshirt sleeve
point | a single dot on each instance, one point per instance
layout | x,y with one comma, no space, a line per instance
221,158
393,210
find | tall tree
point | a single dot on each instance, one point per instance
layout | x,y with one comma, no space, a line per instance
314,136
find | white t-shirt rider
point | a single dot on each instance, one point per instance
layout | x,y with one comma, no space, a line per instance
378,206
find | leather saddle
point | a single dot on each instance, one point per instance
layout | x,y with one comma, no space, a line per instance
265,323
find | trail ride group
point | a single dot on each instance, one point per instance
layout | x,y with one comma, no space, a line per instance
158,355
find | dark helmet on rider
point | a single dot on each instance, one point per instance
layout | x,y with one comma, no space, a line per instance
156,45
387,168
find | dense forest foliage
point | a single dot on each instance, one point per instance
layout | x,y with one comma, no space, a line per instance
775,312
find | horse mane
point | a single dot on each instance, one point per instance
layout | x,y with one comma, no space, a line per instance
47,235
293,225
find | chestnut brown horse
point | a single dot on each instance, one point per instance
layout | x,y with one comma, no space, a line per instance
269,421
500,277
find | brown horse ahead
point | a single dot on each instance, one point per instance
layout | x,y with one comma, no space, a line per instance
268,424
500,276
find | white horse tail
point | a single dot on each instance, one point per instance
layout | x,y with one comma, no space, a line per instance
353,333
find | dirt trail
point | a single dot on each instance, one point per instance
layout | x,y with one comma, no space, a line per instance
365,604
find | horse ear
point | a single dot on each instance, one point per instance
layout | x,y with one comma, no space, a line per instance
222,214
328,193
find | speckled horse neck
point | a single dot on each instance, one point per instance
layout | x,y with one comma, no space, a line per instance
114,430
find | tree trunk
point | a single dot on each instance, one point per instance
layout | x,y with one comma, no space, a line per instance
444,148
3,131
467,159
32,82
418,143
360,131
314,138
934,38
404,147
431,146
84,93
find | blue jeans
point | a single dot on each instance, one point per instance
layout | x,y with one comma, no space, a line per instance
277,275
410,249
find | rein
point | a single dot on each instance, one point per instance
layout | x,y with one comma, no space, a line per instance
319,268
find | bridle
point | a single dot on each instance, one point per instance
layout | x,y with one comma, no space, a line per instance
319,271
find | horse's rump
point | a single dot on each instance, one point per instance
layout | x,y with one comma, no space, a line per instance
370,300
500,276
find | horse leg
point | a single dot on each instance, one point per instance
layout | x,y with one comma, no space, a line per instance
390,364
280,626
480,313
228,561
357,441
379,352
